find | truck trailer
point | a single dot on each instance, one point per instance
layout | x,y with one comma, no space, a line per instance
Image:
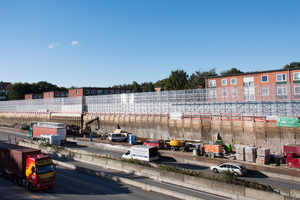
27,166
44,128
145,153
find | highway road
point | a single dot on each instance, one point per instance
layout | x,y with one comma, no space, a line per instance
20,135
74,185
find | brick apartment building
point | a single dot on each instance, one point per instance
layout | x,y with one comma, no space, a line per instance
3,91
247,82
55,94
89,91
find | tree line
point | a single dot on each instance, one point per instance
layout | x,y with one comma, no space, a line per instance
177,80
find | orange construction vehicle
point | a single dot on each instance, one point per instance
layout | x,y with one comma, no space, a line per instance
213,150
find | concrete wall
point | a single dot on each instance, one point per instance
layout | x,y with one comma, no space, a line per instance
250,132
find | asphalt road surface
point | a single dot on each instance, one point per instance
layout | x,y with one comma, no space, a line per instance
74,185
17,135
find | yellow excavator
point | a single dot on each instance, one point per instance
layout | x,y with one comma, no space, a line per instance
87,128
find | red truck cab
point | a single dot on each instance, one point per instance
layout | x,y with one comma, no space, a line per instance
155,143
40,172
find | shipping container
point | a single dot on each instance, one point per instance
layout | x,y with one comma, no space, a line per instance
13,158
291,148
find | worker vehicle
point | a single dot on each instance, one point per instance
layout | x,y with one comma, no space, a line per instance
178,145
144,153
155,143
212,150
87,129
27,166
117,137
226,148
44,128
236,168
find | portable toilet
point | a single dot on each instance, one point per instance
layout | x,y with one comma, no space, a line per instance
131,139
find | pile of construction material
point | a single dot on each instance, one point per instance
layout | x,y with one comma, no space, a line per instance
263,156
251,154
240,152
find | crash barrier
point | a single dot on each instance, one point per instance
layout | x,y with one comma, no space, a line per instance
204,185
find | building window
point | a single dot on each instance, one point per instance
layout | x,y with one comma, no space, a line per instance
62,94
212,83
233,81
281,91
99,92
76,92
122,91
281,77
67,94
111,91
87,92
264,79
224,82
105,91
56,94
297,90
297,76
35,97
225,93
40,97
265,91
233,92
212,94
127,91
93,91
117,92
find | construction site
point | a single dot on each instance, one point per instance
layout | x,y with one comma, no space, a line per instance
186,114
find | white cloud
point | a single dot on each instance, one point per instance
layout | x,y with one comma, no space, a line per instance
74,43
53,45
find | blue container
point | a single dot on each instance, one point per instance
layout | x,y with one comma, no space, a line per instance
131,139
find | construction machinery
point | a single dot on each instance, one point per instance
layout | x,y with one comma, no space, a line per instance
87,128
226,148
178,144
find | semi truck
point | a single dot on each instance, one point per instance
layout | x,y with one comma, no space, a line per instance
144,153
27,166
44,128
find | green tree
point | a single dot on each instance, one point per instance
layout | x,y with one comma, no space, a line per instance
197,79
43,86
17,91
147,87
161,83
292,65
178,80
136,87
230,72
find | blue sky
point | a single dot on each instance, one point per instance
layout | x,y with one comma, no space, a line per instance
104,43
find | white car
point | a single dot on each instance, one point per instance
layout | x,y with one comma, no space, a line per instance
236,168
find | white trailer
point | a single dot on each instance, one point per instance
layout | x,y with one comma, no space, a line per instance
140,152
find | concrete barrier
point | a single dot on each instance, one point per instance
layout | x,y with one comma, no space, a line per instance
249,192
229,188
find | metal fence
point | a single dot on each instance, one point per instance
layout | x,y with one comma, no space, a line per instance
267,100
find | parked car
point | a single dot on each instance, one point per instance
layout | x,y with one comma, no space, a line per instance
155,143
236,168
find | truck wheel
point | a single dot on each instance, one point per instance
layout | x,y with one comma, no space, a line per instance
224,151
30,186
182,149
16,179
4,175
173,148
20,181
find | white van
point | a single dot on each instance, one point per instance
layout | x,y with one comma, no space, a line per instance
117,137
140,152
